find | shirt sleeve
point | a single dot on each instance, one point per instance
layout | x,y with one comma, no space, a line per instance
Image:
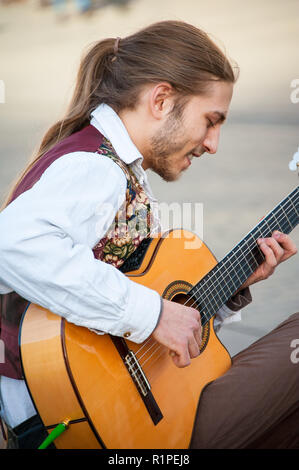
231,311
47,236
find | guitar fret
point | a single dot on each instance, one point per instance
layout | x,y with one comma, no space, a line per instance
230,273
224,278
270,228
277,223
253,261
259,254
294,208
287,218
241,267
211,298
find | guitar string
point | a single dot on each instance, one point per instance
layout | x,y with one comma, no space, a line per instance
212,299
159,346
251,245
163,351
206,291
243,253
153,352
236,262
237,249
150,347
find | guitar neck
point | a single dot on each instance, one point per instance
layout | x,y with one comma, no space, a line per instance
220,284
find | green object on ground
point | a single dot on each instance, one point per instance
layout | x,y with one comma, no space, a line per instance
57,431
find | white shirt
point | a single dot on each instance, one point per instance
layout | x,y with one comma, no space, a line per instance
47,236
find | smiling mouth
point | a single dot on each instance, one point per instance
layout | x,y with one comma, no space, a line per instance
189,159
190,156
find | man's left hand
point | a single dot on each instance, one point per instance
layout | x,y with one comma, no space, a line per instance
277,248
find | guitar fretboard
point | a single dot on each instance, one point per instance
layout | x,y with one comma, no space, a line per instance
219,285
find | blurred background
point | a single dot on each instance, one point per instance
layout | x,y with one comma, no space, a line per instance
41,43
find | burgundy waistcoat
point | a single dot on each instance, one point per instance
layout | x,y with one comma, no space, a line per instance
12,305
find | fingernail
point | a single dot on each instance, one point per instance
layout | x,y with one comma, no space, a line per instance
276,235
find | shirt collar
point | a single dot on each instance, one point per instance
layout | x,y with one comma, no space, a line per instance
109,124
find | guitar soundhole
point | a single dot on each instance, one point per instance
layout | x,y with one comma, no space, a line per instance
177,292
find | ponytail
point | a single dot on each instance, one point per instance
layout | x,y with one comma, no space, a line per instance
113,71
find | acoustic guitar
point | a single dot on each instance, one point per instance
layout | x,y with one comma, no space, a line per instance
120,395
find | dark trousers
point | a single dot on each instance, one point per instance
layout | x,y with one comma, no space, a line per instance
255,405
28,435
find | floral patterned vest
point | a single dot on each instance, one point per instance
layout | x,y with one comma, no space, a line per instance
133,221
131,226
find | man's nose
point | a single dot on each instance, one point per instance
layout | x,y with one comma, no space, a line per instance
212,139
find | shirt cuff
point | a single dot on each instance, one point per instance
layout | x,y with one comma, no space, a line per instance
240,300
231,311
141,315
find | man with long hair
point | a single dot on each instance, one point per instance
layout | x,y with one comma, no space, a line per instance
153,100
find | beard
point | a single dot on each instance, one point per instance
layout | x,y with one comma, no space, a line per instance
163,145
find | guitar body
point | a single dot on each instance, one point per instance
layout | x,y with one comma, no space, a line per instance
73,373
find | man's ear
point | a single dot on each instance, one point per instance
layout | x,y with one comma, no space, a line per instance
161,100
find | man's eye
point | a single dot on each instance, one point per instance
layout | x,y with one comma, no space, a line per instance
211,124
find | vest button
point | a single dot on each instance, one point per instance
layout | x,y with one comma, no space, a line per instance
127,334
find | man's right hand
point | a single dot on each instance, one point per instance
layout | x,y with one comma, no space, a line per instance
179,329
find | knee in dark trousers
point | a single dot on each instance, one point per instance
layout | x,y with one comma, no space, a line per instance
256,401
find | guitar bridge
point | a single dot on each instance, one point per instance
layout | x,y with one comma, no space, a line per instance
137,373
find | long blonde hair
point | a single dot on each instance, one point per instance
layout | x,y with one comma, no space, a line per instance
171,51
